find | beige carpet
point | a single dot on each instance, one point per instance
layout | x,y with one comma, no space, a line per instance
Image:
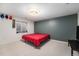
51,48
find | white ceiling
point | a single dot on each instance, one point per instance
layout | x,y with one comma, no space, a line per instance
47,10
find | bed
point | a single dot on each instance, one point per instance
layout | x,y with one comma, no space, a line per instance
36,39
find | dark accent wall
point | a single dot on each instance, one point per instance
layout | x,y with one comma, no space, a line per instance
60,28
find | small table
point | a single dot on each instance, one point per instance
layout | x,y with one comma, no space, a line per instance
74,44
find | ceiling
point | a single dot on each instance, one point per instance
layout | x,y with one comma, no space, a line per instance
46,10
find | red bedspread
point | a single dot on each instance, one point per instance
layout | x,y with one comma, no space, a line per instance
35,38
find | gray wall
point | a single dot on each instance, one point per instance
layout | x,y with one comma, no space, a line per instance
61,28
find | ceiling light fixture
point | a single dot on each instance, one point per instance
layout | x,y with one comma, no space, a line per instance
34,12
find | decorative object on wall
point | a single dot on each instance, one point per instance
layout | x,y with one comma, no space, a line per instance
10,17
6,16
13,23
2,16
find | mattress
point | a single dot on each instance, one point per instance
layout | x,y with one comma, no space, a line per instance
35,38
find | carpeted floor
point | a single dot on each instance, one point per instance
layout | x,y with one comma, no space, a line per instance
51,48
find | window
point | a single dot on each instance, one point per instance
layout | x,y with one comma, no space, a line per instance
21,27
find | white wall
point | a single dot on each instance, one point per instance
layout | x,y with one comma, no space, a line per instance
8,34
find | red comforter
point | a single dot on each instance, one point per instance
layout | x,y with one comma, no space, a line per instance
35,38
